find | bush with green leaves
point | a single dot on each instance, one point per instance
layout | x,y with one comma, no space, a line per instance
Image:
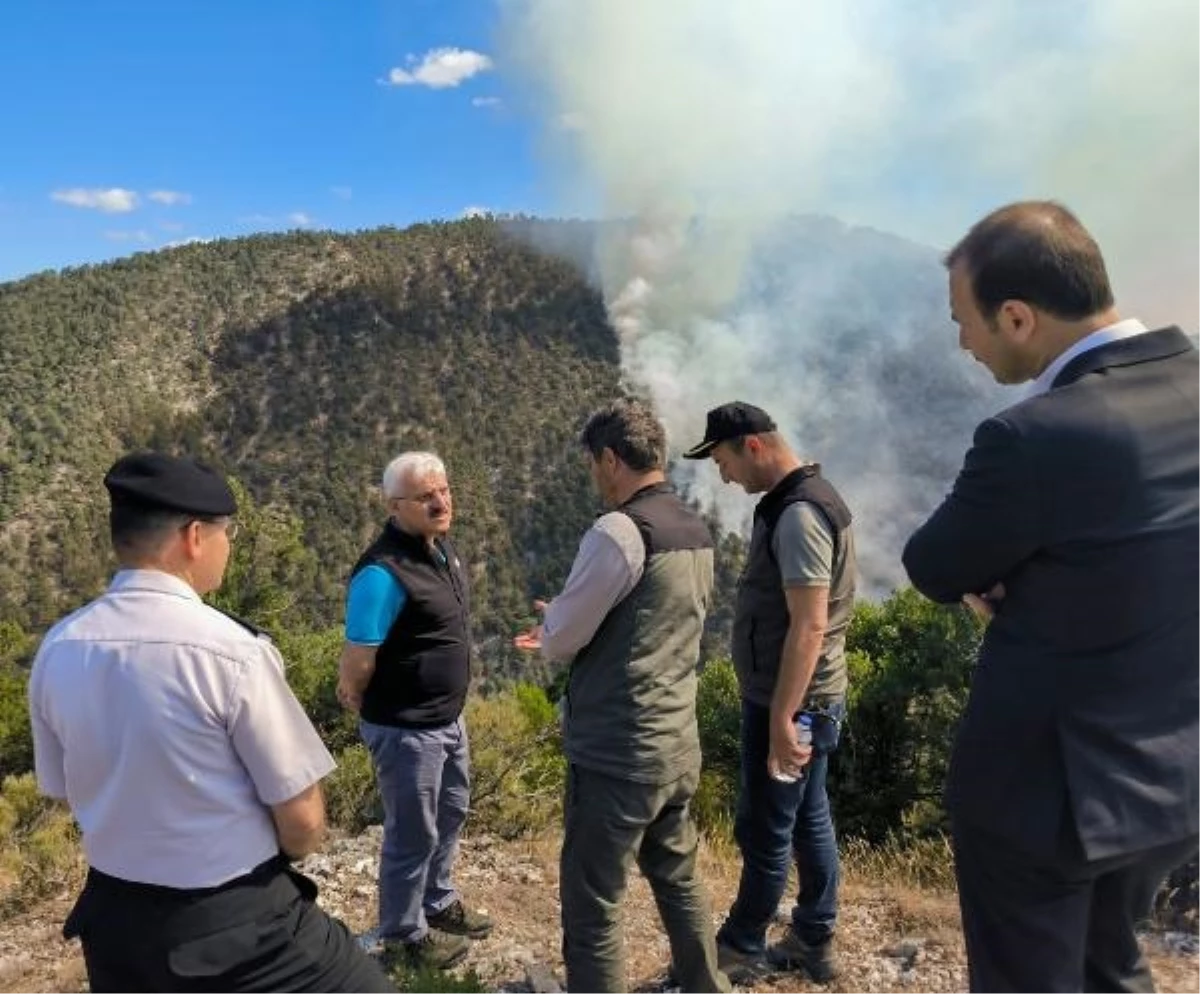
351,793
39,845
910,663
16,739
517,765
719,716
311,662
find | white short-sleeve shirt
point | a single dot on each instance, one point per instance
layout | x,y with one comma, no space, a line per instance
169,729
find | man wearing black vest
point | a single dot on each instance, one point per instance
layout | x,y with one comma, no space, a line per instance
794,603
629,620
405,669
1073,528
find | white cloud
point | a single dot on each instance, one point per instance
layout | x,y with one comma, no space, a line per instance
170,198
439,68
140,235
111,201
341,192
476,211
299,219
494,102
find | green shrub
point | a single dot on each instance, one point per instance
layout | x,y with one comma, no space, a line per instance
39,845
719,715
16,739
517,766
351,793
311,660
715,804
910,664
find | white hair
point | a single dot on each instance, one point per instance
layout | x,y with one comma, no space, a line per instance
407,466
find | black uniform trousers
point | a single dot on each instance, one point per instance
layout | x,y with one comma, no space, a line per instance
1066,925
260,932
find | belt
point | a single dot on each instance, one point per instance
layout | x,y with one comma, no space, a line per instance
185,913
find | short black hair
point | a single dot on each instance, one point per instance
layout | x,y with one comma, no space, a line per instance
138,529
631,430
1038,252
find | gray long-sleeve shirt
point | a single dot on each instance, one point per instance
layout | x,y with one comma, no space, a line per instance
607,567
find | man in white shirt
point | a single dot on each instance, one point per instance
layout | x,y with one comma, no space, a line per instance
193,772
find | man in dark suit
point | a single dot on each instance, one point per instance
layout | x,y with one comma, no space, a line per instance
1072,528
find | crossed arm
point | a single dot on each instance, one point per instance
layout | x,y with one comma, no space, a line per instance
986,527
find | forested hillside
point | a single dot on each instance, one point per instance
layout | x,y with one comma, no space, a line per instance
301,363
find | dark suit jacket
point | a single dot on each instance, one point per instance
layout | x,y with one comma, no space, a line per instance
1082,718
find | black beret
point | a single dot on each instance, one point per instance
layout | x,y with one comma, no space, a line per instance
173,483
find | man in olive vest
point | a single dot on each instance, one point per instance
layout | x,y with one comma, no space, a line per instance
794,603
629,620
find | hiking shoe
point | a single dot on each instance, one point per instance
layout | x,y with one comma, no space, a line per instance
457,920
814,958
741,968
436,950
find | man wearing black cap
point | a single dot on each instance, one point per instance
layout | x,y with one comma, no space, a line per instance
794,602
193,772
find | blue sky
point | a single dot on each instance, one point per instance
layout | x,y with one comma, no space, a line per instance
131,124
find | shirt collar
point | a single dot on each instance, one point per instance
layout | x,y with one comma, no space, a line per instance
152,579
1101,336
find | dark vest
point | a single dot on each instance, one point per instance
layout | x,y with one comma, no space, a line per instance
631,699
761,620
423,667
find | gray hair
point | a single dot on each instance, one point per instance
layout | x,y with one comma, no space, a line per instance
409,465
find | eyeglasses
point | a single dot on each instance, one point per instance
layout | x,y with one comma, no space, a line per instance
428,496
231,526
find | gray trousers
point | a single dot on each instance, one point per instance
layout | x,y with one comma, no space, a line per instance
424,782
608,823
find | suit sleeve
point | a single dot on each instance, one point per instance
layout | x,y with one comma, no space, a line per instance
987,526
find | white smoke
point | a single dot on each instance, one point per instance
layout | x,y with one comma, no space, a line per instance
708,126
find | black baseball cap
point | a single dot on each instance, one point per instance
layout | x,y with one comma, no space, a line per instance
733,420
155,480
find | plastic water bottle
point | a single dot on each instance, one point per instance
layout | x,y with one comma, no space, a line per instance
804,737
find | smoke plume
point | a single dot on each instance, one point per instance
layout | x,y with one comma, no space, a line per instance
725,137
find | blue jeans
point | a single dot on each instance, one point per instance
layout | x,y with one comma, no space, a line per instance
775,820
424,783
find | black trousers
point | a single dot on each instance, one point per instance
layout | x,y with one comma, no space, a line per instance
262,932
1062,926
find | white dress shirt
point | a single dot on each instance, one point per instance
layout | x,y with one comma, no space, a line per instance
1101,336
169,729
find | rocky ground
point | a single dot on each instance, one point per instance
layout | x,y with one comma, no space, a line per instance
890,938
